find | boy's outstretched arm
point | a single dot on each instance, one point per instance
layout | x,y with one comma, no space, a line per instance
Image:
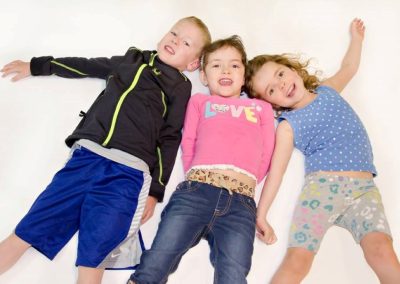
67,67
20,68
280,159
351,59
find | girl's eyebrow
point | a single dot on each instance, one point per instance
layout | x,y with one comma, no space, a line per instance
230,60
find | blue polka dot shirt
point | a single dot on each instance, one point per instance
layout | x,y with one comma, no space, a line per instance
330,134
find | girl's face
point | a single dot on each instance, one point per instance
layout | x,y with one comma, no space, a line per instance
224,73
280,86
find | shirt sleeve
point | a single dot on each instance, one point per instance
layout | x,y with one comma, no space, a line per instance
170,139
268,130
190,132
74,67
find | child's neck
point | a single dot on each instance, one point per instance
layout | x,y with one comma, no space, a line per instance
308,98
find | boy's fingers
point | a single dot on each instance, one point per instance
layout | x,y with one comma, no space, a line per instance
15,78
18,77
8,70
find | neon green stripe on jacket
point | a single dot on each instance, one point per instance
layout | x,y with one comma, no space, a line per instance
121,100
68,68
160,165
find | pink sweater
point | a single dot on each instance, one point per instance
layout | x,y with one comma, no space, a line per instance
228,133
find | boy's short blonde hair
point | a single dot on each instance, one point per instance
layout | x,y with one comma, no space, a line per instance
203,28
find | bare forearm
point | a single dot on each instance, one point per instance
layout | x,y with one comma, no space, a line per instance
268,195
351,60
280,159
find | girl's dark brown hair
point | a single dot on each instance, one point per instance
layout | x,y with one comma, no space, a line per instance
232,41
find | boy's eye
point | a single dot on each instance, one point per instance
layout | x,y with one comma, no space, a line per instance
280,74
173,33
186,43
271,91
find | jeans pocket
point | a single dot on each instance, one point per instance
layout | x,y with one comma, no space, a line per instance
187,186
249,204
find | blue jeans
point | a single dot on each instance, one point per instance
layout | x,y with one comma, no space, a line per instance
199,210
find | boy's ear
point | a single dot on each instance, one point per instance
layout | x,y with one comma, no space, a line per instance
195,64
203,78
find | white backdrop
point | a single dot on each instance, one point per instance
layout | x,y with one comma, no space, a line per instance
36,114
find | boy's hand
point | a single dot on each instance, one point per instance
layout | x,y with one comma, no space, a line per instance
357,29
265,232
22,69
151,203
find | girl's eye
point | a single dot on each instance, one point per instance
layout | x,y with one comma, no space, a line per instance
236,66
271,91
215,65
186,43
173,33
280,74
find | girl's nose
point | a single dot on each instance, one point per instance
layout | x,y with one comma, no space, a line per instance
225,70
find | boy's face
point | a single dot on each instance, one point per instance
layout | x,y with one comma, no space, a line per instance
181,46
224,72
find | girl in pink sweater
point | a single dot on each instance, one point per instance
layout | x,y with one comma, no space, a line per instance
227,146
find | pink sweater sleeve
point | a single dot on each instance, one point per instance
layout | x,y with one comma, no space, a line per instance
268,130
188,143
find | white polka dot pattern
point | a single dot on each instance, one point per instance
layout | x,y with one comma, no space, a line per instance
330,134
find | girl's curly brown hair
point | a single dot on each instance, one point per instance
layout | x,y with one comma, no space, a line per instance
311,82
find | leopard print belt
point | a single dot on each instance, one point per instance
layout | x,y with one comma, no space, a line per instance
221,180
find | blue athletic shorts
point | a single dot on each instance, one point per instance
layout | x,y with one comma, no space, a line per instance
102,199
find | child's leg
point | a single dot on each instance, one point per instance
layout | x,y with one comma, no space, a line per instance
88,275
365,219
379,253
319,205
11,249
231,238
183,222
295,266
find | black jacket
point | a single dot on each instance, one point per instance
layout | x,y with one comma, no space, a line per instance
141,110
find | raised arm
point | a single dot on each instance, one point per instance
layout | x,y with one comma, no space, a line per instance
351,59
280,159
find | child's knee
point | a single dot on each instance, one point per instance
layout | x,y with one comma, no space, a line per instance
377,248
299,259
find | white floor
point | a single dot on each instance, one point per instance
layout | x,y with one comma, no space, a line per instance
37,114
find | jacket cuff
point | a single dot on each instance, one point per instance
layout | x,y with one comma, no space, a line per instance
157,190
41,65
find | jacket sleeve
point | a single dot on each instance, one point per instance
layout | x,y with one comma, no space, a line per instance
189,132
169,139
74,67
268,130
